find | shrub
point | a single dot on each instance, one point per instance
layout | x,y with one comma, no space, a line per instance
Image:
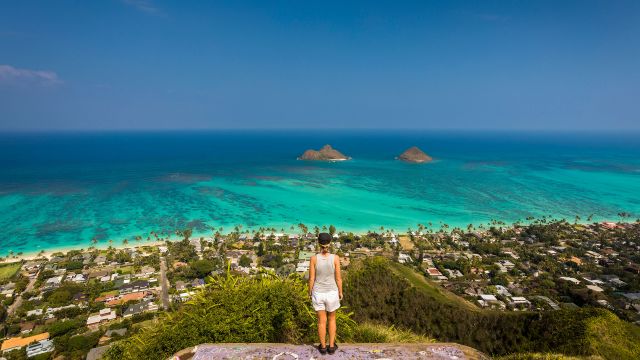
232,309
378,294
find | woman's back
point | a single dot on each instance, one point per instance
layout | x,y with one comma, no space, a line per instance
325,280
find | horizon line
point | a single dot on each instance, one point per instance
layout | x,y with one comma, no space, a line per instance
334,129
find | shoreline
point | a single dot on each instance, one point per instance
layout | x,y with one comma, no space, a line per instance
32,255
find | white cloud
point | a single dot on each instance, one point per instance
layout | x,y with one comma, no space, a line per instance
10,74
146,6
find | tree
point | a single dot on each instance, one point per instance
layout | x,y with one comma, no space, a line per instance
332,230
245,261
202,268
303,228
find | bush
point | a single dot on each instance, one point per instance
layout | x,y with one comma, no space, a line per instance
382,296
232,309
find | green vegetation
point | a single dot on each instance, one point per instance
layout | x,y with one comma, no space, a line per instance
389,293
539,356
231,309
429,288
7,271
376,333
243,309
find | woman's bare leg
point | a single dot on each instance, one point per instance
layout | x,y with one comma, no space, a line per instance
332,329
322,327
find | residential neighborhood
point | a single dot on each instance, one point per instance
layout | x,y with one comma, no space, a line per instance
74,304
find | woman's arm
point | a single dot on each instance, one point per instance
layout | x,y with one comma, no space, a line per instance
312,273
336,263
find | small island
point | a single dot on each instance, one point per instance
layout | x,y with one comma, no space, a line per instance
327,153
414,155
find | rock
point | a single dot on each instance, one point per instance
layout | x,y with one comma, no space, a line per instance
327,153
394,351
414,155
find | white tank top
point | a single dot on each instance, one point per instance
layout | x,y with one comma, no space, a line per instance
325,274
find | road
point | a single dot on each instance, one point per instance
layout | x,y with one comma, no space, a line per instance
16,304
165,284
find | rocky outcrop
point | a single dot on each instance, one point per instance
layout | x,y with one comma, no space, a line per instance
414,155
327,153
432,351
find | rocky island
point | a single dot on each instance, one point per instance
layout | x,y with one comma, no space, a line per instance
414,155
327,153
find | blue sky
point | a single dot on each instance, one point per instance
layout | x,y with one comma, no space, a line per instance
159,64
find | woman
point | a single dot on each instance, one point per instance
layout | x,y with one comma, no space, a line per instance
325,290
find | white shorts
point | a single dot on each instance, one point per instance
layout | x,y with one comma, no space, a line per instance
328,301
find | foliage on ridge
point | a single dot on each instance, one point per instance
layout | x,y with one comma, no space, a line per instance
378,293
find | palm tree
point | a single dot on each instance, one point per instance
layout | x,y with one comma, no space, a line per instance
125,242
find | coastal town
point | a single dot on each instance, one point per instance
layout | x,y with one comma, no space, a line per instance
74,304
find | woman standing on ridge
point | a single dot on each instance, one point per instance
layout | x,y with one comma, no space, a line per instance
325,290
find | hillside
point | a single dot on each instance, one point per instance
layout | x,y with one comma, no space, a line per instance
253,310
327,153
415,155
393,294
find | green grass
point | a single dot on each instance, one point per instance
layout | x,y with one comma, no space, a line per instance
419,281
612,338
374,333
7,271
112,292
548,356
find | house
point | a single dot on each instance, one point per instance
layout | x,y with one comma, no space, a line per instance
7,292
136,296
146,271
98,274
487,300
519,300
19,342
570,279
40,347
103,316
53,281
35,312
550,302
501,290
77,278
56,309
505,265
305,255
294,240
139,308
632,296
595,288
433,272
404,258
138,285
303,267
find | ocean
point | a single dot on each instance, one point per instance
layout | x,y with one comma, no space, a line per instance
59,190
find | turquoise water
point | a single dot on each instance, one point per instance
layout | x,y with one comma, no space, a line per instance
61,190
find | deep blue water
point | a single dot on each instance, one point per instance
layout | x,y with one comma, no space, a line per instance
63,189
